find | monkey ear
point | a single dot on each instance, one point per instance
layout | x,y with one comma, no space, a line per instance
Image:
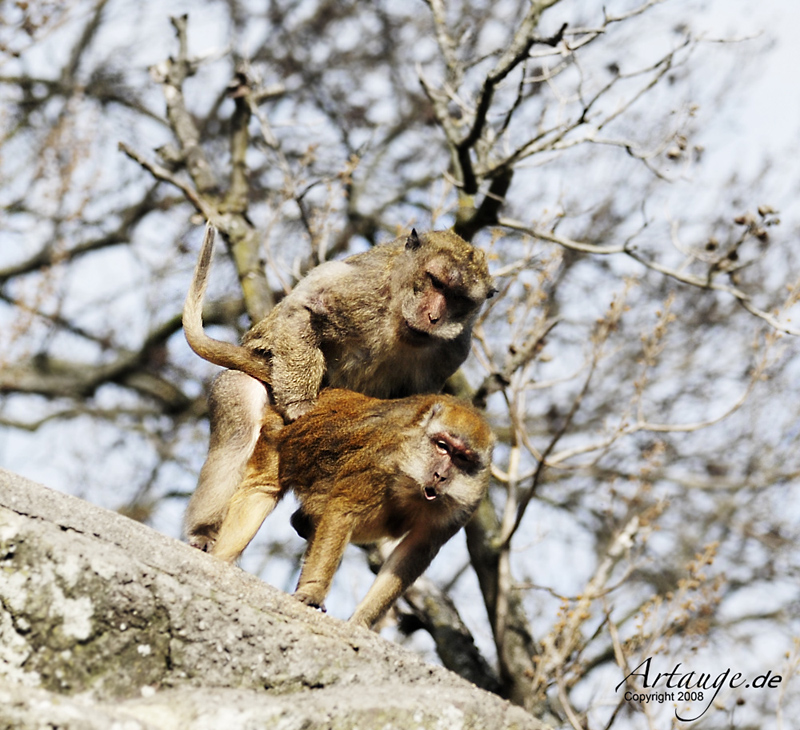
413,242
430,414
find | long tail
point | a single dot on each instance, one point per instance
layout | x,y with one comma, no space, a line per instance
225,354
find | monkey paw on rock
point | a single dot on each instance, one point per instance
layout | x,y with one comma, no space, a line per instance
202,542
309,600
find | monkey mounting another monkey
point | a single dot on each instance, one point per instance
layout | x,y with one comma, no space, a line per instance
364,470
391,322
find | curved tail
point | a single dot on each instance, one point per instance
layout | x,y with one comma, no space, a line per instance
225,354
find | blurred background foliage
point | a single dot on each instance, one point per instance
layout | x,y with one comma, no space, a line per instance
628,168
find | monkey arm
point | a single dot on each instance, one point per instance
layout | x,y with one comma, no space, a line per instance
292,345
407,562
328,541
291,337
297,375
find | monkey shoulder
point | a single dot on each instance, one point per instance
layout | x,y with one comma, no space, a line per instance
327,276
316,293
302,313
344,300
377,257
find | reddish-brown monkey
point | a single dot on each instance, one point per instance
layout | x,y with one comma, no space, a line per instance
365,470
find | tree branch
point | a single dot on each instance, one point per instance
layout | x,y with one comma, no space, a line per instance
437,614
517,650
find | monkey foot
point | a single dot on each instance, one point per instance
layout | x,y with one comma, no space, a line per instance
201,543
310,601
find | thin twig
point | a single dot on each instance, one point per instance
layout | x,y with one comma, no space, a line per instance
162,173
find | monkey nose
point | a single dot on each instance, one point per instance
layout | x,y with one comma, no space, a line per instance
430,493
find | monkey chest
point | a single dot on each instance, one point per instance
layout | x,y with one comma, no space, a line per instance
379,526
380,372
393,517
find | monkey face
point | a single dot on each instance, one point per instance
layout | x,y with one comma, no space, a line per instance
441,282
449,456
449,464
439,305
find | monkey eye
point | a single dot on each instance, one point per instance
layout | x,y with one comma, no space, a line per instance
464,462
443,446
437,284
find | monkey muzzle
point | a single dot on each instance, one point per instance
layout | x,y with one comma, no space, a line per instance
417,337
430,493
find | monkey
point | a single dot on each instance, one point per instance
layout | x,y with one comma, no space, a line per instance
365,470
390,322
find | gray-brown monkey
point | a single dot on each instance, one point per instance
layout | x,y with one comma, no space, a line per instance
364,470
390,322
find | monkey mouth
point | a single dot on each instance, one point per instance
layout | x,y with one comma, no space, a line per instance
416,336
430,493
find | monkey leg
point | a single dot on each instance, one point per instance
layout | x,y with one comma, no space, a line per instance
256,496
250,506
406,563
238,410
324,553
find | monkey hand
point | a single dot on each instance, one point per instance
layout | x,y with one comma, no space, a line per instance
293,411
310,600
202,542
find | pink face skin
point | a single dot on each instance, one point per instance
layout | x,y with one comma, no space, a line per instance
450,453
438,308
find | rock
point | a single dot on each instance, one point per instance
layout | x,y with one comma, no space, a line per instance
104,622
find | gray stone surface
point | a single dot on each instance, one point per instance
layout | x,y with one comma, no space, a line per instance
106,623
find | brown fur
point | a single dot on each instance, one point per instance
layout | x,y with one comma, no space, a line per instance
390,322
360,468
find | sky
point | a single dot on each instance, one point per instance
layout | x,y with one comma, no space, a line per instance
758,121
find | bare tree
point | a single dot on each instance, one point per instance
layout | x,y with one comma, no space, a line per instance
636,365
